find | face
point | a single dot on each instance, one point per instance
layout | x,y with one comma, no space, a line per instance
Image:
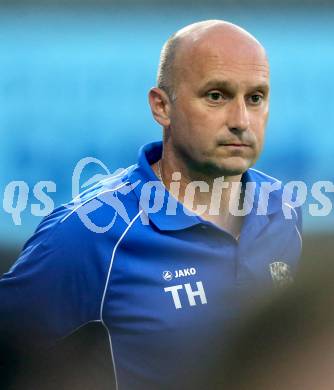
217,121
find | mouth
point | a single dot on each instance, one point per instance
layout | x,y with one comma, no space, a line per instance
235,145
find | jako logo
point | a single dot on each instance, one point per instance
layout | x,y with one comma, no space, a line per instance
167,275
184,272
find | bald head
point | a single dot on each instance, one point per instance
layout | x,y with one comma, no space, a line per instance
196,39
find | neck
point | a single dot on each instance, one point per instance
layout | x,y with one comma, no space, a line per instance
207,195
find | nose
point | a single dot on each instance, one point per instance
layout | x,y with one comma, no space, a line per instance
238,116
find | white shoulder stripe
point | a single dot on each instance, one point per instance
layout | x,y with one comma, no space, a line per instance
289,205
106,287
91,198
104,182
300,237
298,232
265,175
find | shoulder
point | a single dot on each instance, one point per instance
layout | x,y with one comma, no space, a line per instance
110,197
95,218
277,197
261,177
58,280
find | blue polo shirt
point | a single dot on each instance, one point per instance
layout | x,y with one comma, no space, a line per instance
167,285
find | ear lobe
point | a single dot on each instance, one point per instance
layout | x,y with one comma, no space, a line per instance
160,106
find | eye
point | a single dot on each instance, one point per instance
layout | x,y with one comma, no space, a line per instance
215,96
256,99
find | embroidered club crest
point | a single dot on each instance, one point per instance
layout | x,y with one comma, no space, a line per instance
280,274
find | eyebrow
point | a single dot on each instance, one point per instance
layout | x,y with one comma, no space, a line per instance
227,85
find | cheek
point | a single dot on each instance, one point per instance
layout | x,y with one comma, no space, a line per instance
258,125
190,121
259,135
204,123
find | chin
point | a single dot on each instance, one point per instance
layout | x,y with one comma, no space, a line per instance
233,172
234,169
224,167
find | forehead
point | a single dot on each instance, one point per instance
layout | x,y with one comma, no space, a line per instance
236,62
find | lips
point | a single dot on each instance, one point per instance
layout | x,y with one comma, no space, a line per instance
236,145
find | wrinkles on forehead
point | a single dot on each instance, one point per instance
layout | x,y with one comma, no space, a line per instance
224,64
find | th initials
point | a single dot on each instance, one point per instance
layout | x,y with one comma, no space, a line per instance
191,294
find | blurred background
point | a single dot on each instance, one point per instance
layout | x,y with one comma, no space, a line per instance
74,77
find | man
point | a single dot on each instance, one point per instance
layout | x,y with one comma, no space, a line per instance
161,254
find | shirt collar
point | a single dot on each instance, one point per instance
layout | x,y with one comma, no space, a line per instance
152,193
266,201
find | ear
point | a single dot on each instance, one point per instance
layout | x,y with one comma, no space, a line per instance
160,106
